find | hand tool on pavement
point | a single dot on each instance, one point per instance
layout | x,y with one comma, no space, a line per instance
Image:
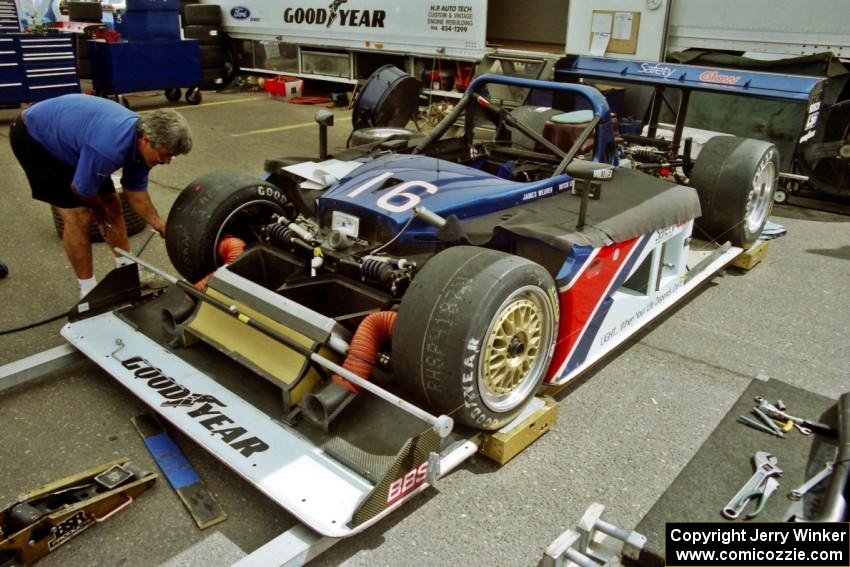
757,487
767,421
804,426
758,425
804,488
761,497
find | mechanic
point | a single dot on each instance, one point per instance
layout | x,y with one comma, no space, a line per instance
69,146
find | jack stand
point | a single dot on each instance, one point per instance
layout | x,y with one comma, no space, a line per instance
560,552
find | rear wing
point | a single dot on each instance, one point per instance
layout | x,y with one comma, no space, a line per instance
774,86
798,89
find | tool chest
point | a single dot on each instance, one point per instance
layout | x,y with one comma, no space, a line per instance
34,67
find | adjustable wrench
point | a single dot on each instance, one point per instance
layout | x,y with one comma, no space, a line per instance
804,488
765,465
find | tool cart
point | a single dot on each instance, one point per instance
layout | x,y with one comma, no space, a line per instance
149,56
133,66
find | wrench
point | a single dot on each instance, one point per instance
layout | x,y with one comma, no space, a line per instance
801,429
804,426
765,465
804,488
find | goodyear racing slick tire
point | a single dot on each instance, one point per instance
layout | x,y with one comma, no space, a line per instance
475,334
736,179
219,203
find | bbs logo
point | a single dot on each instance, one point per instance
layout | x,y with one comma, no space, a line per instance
240,12
407,484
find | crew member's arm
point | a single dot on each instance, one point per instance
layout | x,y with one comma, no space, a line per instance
141,202
88,177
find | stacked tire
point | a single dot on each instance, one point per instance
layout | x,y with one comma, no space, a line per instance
203,23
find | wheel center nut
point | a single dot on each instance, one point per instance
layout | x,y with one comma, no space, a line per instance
516,347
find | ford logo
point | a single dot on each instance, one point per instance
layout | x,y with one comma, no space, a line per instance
240,12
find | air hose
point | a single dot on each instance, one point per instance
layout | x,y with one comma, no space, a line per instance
58,316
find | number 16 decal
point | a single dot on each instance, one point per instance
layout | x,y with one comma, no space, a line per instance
402,192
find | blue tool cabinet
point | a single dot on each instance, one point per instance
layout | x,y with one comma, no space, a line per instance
34,67
133,66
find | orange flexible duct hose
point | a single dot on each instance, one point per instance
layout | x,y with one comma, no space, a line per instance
229,248
375,330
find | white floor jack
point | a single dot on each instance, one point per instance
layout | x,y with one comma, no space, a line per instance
593,542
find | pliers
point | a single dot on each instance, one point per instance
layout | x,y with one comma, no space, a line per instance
760,496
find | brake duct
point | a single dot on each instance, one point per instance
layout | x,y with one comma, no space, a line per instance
229,249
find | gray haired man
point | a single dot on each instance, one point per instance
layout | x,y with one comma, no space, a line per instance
69,146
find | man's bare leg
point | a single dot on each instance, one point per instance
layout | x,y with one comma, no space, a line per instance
76,238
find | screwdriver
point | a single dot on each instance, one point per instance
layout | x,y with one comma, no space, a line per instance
760,426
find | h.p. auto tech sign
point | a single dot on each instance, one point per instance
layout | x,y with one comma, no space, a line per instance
426,27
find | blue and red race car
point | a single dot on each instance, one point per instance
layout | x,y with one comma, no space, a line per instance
456,271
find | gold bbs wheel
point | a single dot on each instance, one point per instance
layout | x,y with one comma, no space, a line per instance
514,353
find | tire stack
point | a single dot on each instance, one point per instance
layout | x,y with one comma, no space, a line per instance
203,23
132,221
82,46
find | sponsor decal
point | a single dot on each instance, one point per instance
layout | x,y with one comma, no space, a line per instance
657,69
240,12
207,410
812,120
68,528
808,136
407,484
663,234
334,14
719,78
546,191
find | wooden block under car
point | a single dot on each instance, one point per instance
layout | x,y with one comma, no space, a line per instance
535,420
198,500
749,259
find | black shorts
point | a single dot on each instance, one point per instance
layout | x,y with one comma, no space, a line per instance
50,178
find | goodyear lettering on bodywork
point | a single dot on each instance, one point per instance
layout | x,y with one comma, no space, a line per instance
210,414
335,15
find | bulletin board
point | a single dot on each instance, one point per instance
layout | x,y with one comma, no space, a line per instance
622,29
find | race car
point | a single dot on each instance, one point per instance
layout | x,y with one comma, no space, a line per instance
452,273
478,245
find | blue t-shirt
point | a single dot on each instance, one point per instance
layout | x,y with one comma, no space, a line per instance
93,134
